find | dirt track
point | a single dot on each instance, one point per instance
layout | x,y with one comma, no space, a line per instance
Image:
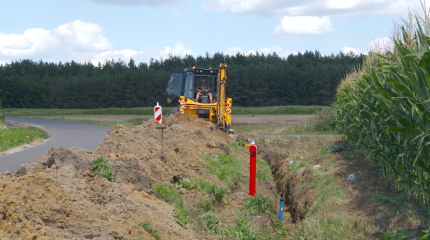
281,118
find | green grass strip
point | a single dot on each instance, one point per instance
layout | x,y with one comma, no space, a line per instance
14,137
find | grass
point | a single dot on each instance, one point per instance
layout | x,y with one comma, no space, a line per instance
166,193
325,188
181,212
172,196
320,123
227,168
204,187
212,221
277,110
1,115
263,170
326,219
257,204
13,137
206,204
399,202
242,231
151,230
102,169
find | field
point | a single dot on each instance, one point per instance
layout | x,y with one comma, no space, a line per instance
320,203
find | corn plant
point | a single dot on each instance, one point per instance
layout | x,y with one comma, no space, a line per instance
383,109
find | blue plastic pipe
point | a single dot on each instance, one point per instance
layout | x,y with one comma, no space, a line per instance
281,208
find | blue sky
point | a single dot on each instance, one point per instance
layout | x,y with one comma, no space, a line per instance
96,30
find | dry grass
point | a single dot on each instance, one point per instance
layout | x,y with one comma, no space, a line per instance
362,209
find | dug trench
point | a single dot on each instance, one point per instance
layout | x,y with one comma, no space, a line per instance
293,180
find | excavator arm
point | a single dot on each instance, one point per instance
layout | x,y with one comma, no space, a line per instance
224,105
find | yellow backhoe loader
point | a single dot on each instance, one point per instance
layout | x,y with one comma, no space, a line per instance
201,92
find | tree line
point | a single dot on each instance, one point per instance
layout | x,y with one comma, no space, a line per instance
253,80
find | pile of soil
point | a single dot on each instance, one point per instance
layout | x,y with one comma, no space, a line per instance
60,197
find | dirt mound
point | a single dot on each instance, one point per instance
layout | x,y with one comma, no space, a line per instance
60,197
186,140
61,203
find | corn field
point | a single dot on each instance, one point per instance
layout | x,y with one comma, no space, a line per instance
383,109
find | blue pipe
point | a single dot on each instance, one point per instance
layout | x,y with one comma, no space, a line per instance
281,208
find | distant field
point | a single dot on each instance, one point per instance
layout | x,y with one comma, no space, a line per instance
15,112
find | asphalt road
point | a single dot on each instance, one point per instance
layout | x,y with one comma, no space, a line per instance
62,134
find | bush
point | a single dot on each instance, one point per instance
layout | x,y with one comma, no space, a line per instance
322,121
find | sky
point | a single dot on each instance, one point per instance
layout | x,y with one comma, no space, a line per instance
100,30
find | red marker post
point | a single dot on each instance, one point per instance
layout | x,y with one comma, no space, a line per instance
158,116
252,168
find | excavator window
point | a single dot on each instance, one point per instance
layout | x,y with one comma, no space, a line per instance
189,86
174,84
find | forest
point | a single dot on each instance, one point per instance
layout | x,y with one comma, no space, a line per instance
254,80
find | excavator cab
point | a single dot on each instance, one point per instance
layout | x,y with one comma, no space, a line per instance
182,88
186,84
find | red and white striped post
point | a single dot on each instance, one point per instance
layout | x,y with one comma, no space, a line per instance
158,115
252,168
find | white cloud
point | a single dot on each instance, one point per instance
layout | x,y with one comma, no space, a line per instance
175,13
235,50
262,50
381,44
78,41
178,50
74,40
270,8
376,45
139,2
356,51
156,53
304,25
278,50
